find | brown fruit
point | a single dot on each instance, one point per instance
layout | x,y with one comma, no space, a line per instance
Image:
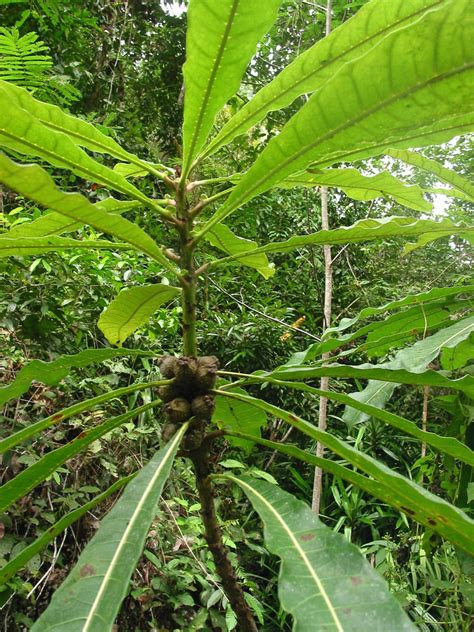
168,392
203,406
177,410
209,362
168,431
185,371
168,365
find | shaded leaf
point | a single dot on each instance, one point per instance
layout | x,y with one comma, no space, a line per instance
91,596
33,429
132,308
241,417
415,358
51,373
324,581
418,503
19,561
33,475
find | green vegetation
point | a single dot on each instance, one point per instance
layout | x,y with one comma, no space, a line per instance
222,280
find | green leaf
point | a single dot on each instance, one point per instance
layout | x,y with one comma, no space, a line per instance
21,132
22,247
51,373
362,230
448,445
56,224
80,132
239,416
34,183
415,358
28,479
223,238
90,598
325,582
392,96
424,377
453,358
421,299
418,503
221,39
19,561
460,184
319,64
33,429
132,308
360,187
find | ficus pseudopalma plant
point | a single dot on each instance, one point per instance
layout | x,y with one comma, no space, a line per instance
398,75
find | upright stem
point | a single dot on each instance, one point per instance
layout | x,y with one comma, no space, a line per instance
200,456
328,282
213,535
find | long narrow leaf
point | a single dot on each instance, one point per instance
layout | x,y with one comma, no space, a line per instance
56,224
440,171
51,373
447,445
19,561
28,479
33,429
221,39
24,246
90,597
33,182
324,582
313,68
362,230
23,133
418,503
414,358
362,110
425,377
79,131
360,187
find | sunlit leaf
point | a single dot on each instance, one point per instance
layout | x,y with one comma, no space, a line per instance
394,95
241,417
22,247
223,238
320,63
221,39
452,178
361,187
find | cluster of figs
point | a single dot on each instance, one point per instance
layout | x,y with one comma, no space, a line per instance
188,396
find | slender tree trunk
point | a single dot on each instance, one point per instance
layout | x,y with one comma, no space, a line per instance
328,282
424,418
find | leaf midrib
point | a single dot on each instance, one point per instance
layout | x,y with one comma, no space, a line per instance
347,124
210,85
323,66
299,549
